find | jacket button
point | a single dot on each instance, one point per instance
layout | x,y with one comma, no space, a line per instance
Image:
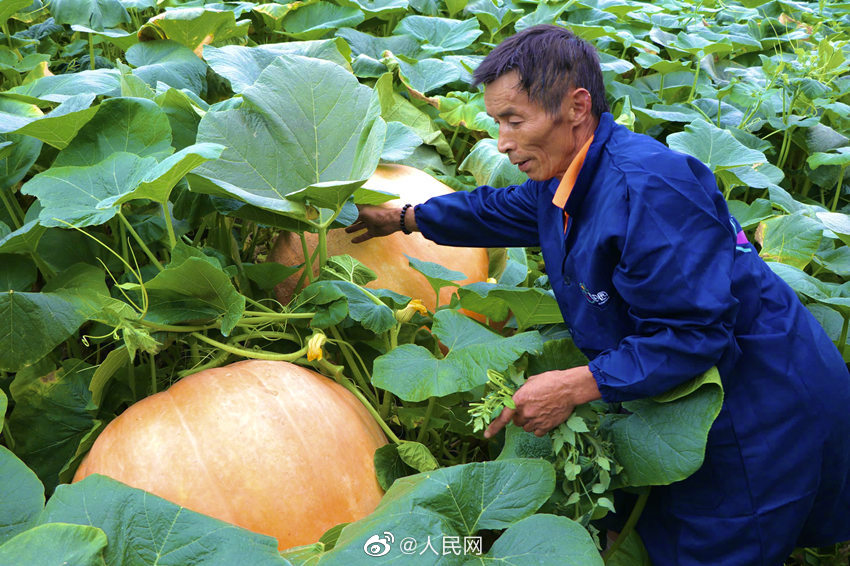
567,281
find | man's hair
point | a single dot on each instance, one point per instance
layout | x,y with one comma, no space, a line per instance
550,60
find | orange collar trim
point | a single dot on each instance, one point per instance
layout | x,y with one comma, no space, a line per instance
569,179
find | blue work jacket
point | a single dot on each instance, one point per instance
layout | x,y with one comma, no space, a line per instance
658,284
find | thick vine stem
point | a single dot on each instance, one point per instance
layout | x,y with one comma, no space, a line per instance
336,372
218,360
630,524
172,239
253,354
173,327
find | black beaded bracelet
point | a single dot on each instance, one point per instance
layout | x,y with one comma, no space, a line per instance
401,220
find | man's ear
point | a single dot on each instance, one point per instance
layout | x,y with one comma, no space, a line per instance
580,104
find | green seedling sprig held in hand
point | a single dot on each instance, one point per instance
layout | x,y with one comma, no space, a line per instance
500,396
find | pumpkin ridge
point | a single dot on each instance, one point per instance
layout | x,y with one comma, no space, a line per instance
212,479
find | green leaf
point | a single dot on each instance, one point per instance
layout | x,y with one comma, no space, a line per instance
362,305
17,273
72,194
267,275
456,501
59,88
53,412
24,240
396,108
530,305
56,543
494,16
417,456
17,162
313,21
389,466
97,14
162,178
522,444
715,147
34,324
836,296
437,275
791,239
131,125
749,215
115,360
9,7
242,66
439,35
21,496
296,107
193,290
347,268
412,373
154,531
630,553
195,27
168,62
400,143
183,116
491,167
539,538
663,439
383,9
426,75
841,158
58,127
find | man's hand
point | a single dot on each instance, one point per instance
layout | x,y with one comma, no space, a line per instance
377,221
547,399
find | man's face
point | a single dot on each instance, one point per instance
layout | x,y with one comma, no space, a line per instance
541,145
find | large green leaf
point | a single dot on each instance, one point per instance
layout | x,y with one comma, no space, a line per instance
344,297
321,123
315,20
59,88
425,75
97,14
663,439
34,324
9,7
242,66
132,125
440,35
195,27
25,239
538,539
396,108
383,9
452,502
56,543
491,167
72,194
168,62
145,530
21,496
91,195
832,294
530,305
58,127
52,413
791,239
840,158
494,16
412,373
437,275
191,290
715,147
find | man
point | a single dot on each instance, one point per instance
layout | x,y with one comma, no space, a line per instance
657,284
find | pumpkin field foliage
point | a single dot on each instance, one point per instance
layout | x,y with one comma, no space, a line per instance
150,152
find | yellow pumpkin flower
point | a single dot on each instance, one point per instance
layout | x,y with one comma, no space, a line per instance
314,346
414,306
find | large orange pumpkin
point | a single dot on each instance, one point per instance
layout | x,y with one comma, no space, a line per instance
385,256
269,446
